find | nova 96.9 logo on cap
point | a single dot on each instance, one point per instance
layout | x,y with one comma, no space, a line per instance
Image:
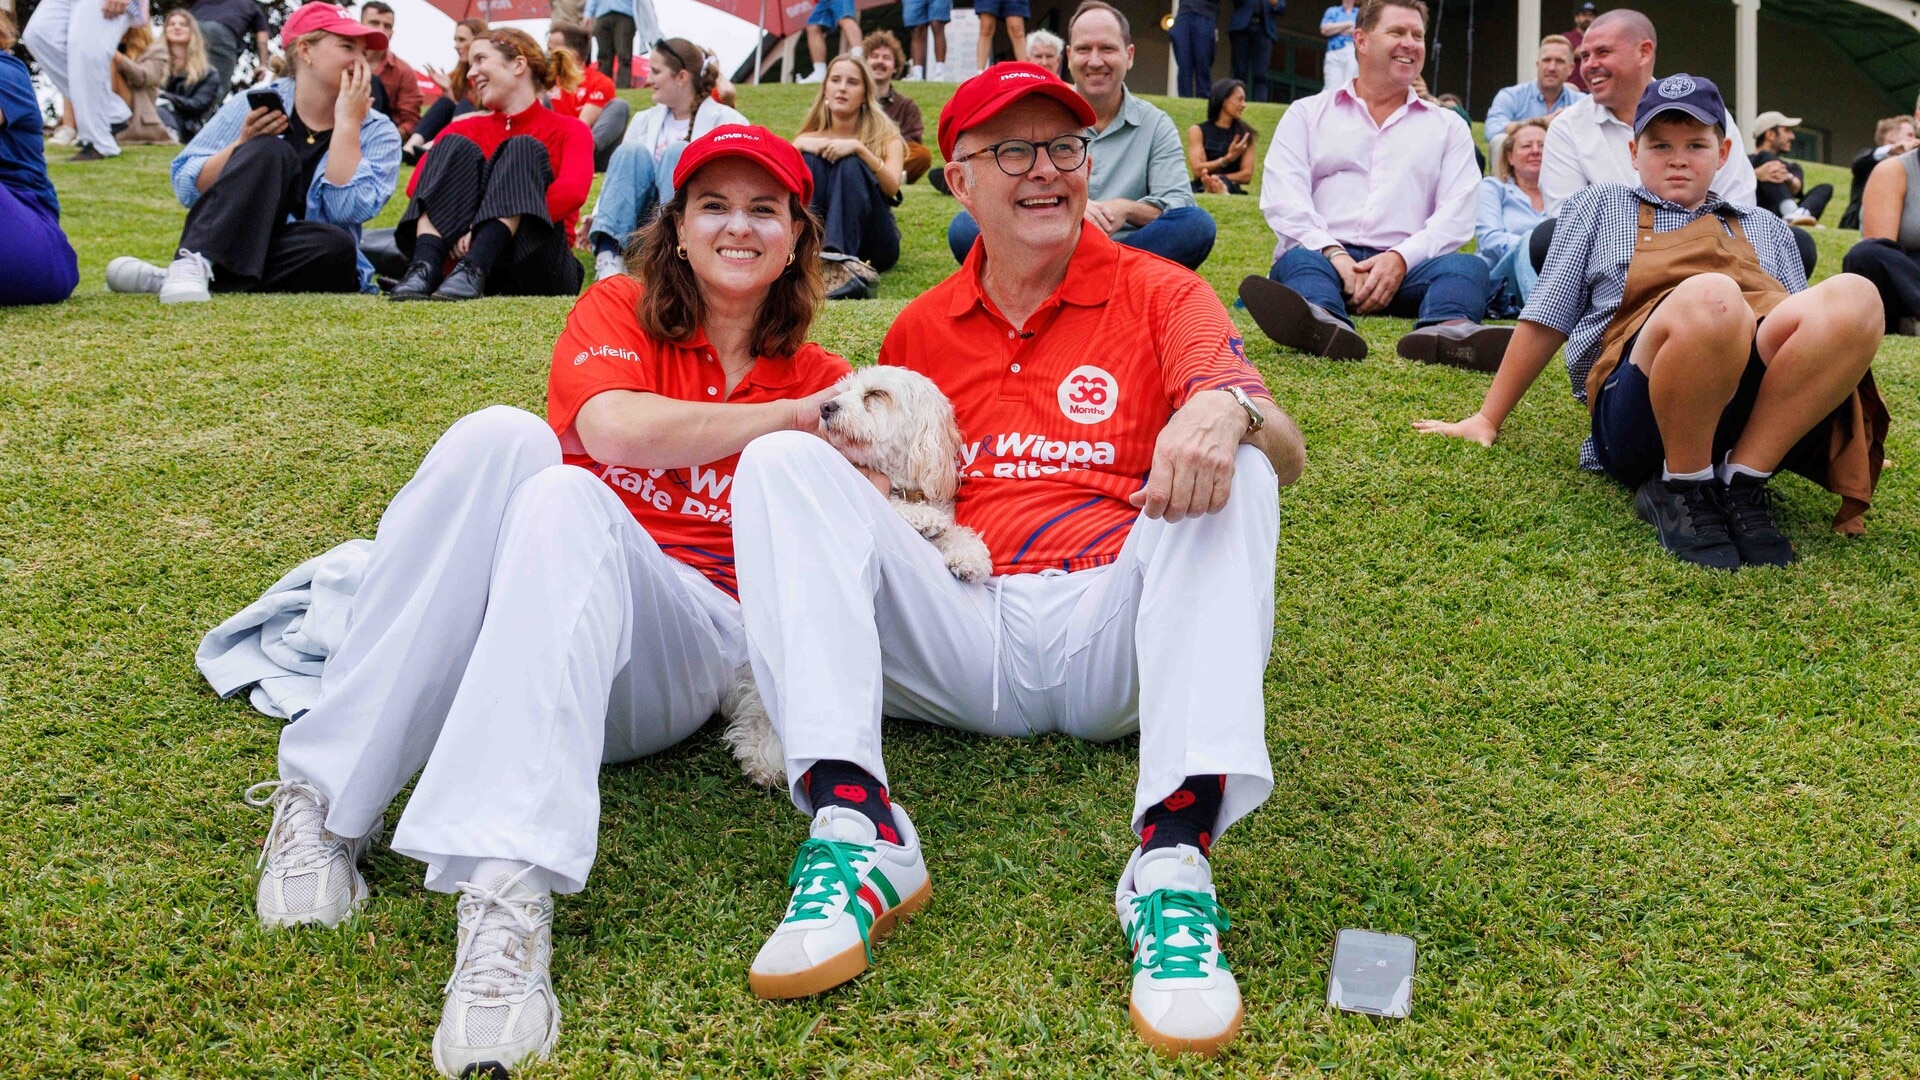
1674,87
1088,395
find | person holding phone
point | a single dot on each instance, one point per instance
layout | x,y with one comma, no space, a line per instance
280,181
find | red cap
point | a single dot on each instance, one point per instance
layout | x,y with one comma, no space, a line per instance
320,15
756,144
982,97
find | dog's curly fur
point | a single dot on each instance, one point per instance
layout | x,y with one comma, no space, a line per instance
897,423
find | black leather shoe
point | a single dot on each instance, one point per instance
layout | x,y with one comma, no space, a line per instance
1290,320
467,282
1461,345
1691,520
417,283
1750,521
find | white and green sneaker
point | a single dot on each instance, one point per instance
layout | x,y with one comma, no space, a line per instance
850,889
500,1009
308,875
1184,998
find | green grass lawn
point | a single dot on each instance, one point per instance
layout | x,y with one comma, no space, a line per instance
1641,819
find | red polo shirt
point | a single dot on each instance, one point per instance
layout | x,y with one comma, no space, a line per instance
595,89
688,512
1060,419
569,146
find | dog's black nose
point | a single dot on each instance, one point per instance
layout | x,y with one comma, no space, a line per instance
827,410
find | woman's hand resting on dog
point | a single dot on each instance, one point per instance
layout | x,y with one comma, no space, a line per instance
806,418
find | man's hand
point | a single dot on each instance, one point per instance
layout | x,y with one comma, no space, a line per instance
1380,279
1192,470
1773,172
355,98
1475,428
1350,278
262,124
1105,217
113,9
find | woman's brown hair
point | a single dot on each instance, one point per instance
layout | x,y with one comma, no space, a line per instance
547,72
672,309
683,55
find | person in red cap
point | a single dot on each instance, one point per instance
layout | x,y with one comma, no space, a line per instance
276,195
548,595
502,187
1123,464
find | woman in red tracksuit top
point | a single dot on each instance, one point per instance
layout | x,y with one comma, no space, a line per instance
502,187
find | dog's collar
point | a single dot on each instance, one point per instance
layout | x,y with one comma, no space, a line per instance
910,496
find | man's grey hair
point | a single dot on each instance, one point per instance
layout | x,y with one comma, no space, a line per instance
1045,37
1636,24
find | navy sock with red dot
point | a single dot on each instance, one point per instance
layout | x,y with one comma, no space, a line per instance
842,783
1187,816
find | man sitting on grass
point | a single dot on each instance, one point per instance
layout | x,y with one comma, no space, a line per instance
1080,366
1692,337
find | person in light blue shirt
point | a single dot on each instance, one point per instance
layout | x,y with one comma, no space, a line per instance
1337,24
1510,206
1545,94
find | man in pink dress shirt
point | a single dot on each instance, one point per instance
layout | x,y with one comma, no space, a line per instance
1371,192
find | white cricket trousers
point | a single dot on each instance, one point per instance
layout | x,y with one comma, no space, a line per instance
74,44
851,614
1342,65
516,629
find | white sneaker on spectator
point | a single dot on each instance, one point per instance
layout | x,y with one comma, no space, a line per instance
818,73
937,73
63,136
608,264
307,874
188,280
1185,1000
1803,219
500,1009
127,274
914,74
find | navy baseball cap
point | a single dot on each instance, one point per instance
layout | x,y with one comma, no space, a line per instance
1693,95
1585,8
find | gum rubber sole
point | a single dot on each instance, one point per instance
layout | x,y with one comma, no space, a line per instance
844,967
1174,1047
1287,318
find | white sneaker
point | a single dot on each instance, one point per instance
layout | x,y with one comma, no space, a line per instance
127,274
850,889
188,279
63,136
307,874
818,73
914,73
937,73
608,264
500,1008
1184,998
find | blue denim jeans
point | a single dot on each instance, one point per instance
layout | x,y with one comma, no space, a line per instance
1438,290
1184,234
633,189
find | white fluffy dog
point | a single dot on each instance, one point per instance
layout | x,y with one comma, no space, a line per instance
897,423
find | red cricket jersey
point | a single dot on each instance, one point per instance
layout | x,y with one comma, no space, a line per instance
1060,419
569,146
688,512
595,89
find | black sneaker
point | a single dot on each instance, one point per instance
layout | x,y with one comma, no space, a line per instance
1749,504
1691,520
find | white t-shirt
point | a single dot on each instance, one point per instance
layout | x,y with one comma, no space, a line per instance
1588,145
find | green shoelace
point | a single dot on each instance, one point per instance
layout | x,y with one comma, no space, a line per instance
1166,912
818,866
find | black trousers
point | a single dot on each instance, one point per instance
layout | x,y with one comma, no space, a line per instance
613,40
1250,49
439,114
857,216
1813,200
460,187
241,226
1893,271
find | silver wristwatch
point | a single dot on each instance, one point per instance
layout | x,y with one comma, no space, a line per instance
1255,419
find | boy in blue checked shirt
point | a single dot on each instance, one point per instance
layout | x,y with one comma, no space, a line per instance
1693,339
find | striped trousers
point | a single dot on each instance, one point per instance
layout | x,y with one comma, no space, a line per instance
459,187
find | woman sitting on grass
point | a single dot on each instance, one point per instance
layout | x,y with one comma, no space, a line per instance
639,180
40,267
449,104
501,189
139,71
1511,205
546,596
192,90
1221,151
276,196
858,161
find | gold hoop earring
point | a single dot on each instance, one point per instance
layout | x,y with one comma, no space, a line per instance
681,251
789,258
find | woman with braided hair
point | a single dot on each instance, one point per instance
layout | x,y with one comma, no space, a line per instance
682,76
502,188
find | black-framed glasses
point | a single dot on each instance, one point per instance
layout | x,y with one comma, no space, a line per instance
1016,156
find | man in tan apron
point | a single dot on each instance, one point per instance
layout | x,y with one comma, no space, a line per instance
1733,368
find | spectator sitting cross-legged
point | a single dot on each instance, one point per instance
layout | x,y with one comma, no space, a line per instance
591,100
682,76
857,158
1370,191
1546,94
1691,336
1137,192
501,189
1510,207
276,196
139,71
75,42
1892,136
399,90
882,54
449,104
192,90
1781,185
40,267
1888,253
1221,149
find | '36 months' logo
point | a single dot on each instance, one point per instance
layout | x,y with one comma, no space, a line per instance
1088,395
